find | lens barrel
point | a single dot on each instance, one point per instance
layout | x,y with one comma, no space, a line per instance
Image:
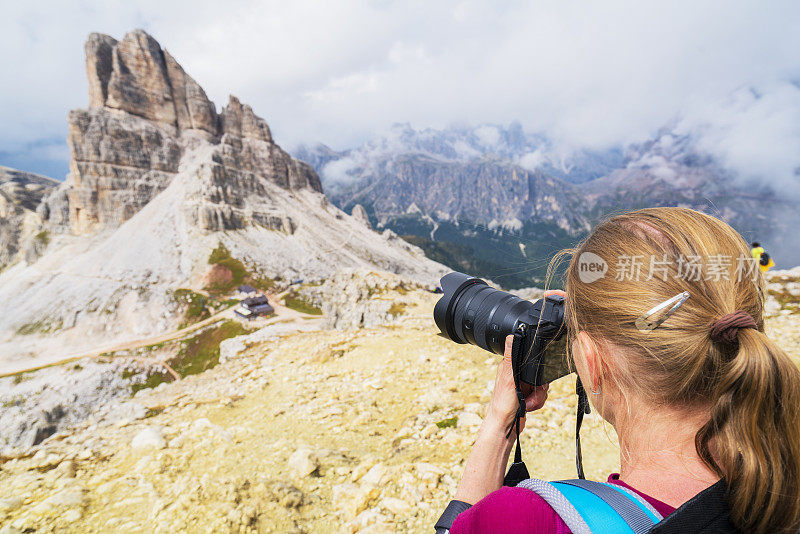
470,311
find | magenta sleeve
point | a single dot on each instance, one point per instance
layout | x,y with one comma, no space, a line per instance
510,510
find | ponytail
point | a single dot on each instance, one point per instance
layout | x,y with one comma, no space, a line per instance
753,436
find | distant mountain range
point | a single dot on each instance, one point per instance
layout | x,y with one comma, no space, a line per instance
499,202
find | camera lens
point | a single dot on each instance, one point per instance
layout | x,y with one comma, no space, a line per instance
472,312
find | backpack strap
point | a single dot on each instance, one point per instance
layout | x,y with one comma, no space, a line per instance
648,508
594,507
558,502
637,513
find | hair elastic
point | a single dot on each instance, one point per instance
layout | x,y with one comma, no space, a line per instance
726,328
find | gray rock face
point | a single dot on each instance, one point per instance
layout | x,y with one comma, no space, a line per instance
99,50
360,214
491,193
361,298
52,399
145,113
119,162
20,193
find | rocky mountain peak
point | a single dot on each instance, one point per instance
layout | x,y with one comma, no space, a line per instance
136,76
145,115
239,120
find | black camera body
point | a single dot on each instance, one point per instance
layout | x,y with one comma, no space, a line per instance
470,311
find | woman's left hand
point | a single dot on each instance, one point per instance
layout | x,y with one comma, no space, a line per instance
503,406
483,472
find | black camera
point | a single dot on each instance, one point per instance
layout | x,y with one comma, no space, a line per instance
470,311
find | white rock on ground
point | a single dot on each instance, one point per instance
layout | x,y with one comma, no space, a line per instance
149,437
302,462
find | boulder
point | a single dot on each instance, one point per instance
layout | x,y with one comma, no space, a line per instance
302,463
149,437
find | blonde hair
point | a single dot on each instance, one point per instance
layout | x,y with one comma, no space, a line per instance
751,390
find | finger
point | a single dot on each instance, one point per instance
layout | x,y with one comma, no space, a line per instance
504,370
508,348
555,292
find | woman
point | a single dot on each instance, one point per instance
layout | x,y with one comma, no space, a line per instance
702,401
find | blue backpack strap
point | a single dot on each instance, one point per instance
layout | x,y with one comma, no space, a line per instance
638,518
558,502
596,508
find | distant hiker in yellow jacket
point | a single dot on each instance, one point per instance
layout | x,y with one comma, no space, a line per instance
765,262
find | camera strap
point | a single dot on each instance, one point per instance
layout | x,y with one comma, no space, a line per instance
517,472
583,408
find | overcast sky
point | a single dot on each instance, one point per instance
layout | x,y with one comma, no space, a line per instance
594,73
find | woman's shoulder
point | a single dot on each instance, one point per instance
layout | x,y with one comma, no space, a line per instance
516,510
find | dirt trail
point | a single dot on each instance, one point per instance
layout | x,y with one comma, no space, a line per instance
282,313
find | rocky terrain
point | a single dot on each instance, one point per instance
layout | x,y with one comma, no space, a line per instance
491,200
158,181
20,195
322,431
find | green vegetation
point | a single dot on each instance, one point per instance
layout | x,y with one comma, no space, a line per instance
373,290
786,300
152,381
201,352
262,283
16,401
128,373
397,308
494,254
39,327
196,306
19,378
43,238
239,274
449,422
196,354
298,303
222,256
155,346
152,412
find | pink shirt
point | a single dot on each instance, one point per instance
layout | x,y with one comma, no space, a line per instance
521,511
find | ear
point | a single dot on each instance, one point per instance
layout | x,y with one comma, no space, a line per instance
591,358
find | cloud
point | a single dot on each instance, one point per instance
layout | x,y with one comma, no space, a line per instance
487,135
336,171
533,160
756,132
590,74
